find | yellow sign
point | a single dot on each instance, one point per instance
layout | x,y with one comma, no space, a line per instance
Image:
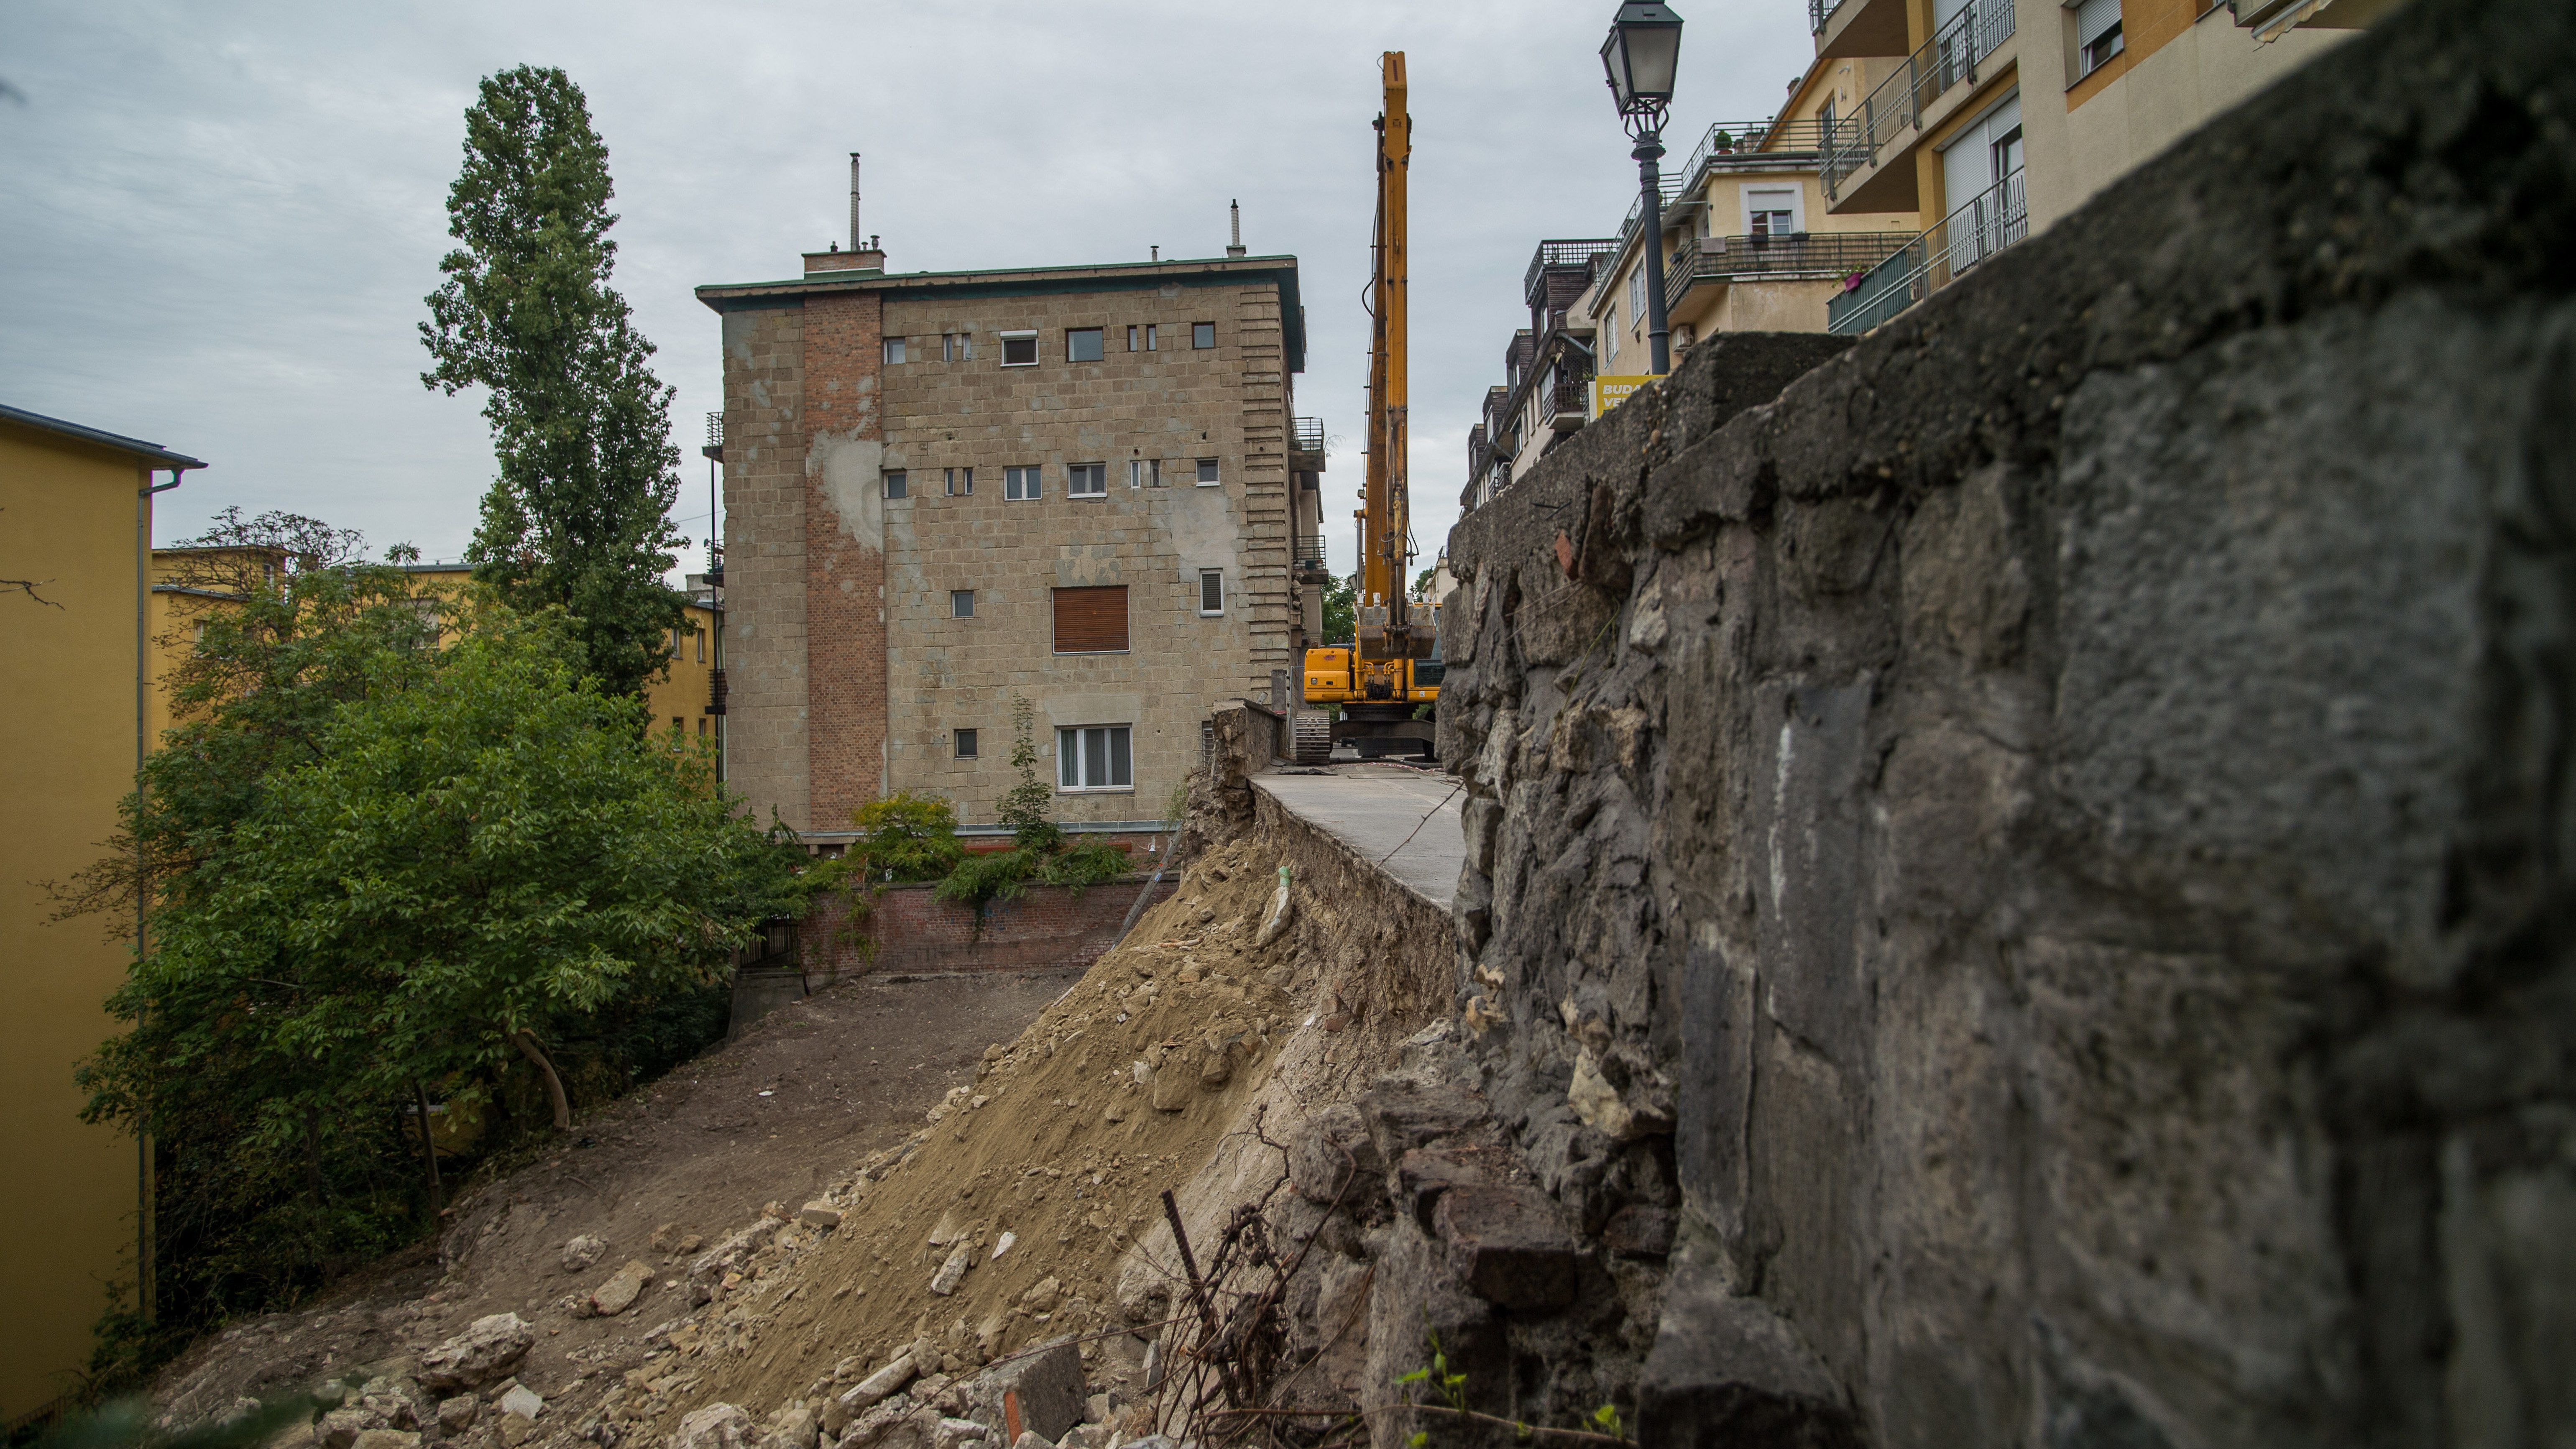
1609,392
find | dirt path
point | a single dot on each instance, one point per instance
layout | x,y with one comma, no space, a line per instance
774,1116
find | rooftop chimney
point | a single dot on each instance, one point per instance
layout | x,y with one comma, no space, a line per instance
863,256
1234,214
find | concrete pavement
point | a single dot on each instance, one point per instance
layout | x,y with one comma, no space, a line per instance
1405,819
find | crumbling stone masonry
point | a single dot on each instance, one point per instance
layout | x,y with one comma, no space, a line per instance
2049,845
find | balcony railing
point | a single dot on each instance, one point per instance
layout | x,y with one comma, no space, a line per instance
1756,141
1553,254
1993,220
1306,553
1796,254
1306,435
716,690
1565,397
1819,11
715,438
1949,57
1480,451
1671,187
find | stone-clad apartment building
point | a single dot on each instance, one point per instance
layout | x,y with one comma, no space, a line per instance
947,490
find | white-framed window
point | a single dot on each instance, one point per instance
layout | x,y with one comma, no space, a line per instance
1094,757
893,350
1020,483
961,603
1202,335
960,481
898,484
1020,349
1211,591
1637,291
1771,211
2097,35
1087,480
1082,344
1207,473
1144,472
965,740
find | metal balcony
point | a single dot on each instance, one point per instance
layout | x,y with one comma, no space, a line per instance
716,691
1710,259
715,438
1306,445
1554,254
1948,58
1991,221
1306,555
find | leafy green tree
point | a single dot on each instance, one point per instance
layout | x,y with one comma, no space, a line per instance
1040,853
1341,612
579,516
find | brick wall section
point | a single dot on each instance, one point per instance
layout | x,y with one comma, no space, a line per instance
1049,927
845,604
764,490
1265,392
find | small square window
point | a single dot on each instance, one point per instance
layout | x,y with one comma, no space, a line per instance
965,743
1082,344
897,485
1144,472
1020,483
1019,349
960,481
1207,473
894,349
961,603
1203,335
1087,480
1211,591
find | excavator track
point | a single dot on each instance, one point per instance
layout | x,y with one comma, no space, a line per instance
1314,742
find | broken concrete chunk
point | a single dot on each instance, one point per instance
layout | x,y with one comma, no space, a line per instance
341,1427
1508,1245
792,1427
717,1426
819,1214
729,1255
621,1290
1423,1174
486,1351
953,1432
666,1238
458,1414
952,1272
388,1439
1402,1115
948,1231
524,1402
1029,1439
1640,1231
878,1386
1046,1384
583,1253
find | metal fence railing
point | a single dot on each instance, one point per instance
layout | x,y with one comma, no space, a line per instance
1948,58
1552,254
1795,254
1306,435
1991,221
1306,551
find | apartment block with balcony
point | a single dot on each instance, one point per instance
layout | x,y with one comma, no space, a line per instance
1992,118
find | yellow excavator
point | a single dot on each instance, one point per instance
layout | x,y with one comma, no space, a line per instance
1392,669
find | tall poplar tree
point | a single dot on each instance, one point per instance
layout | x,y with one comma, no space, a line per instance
580,514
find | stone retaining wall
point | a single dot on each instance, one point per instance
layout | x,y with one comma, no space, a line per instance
2050,843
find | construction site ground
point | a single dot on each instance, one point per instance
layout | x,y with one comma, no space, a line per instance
775,1114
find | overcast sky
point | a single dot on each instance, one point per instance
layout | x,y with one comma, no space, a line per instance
217,220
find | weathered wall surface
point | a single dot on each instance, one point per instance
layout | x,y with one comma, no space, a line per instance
765,489
2050,843
1046,928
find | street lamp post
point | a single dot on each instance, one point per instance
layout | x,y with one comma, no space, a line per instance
1643,51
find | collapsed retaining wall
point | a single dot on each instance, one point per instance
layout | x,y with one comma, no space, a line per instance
2051,842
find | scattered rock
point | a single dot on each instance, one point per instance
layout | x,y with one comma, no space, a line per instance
482,1353
954,1432
1044,1296
819,1214
1639,1231
621,1290
1172,1086
458,1414
792,1427
1004,1245
583,1253
881,1385
729,1255
1508,1245
341,1427
1332,1156
524,1402
388,1439
666,1238
717,1426
950,1273
948,1231
1029,1439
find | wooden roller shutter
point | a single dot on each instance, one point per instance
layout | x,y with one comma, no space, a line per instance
1091,621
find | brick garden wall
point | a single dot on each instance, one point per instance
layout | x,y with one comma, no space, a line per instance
1049,927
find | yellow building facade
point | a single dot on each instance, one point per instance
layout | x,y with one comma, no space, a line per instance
75,525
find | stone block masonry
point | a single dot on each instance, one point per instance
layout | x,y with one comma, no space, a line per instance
2045,843
765,504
